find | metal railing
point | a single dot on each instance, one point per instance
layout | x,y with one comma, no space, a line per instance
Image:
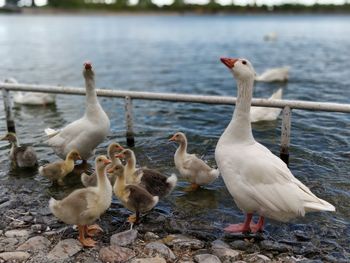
286,105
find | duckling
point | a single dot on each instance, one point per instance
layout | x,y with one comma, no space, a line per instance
91,180
190,166
153,181
21,156
133,197
84,206
58,170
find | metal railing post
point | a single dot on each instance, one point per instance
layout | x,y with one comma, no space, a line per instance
130,140
8,111
285,134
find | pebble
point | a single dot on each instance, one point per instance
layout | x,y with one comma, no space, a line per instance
240,245
124,238
35,243
159,248
37,228
148,260
1,232
223,251
206,258
17,233
150,236
8,244
257,258
301,235
17,256
116,254
182,241
65,249
275,246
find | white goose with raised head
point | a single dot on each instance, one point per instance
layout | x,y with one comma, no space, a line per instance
87,132
258,180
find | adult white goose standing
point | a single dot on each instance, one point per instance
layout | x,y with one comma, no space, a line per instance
31,98
259,181
266,114
87,132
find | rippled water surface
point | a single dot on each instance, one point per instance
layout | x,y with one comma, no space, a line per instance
180,54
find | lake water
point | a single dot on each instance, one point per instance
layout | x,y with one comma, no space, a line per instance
181,54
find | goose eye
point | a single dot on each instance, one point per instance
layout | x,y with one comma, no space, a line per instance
244,62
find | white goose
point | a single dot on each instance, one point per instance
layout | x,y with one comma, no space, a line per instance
259,181
274,74
87,132
190,166
266,114
31,98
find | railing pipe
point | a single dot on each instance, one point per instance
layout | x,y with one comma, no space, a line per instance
130,139
225,100
10,123
285,134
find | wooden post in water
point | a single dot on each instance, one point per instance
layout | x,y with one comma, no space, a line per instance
130,140
8,111
285,134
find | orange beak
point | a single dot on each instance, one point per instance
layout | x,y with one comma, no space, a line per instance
79,157
120,156
106,161
110,170
172,139
229,62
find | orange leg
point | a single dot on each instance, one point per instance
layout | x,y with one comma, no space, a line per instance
240,228
93,230
86,242
259,226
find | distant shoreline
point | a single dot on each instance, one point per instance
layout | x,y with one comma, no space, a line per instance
56,11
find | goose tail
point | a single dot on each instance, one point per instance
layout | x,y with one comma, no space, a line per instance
321,205
277,95
172,180
53,205
215,173
51,132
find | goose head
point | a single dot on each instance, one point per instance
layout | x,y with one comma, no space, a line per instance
114,148
116,170
11,137
88,71
74,155
101,162
126,154
241,68
178,137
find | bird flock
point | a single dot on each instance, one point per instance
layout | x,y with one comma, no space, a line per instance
259,182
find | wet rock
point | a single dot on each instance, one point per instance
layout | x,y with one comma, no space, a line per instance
161,249
224,252
65,249
1,232
37,228
116,254
124,238
182,241
17,233
306,249
311,261
274,246
148,260
240,245
202,235
35,243
301,235
257,258
150,236
206,258
17,256
8,244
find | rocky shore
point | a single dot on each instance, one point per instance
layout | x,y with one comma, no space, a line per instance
30,233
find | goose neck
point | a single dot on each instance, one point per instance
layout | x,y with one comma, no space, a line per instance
239,129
